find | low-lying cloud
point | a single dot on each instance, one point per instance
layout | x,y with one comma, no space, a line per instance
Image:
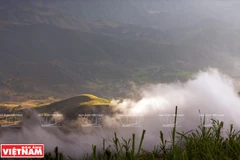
209,91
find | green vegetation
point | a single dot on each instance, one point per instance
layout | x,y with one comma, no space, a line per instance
49,60
83,103
95,101
179,74
205,143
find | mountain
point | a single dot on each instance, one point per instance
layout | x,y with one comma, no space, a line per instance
45,57
68,109
64,48
35,12
81,104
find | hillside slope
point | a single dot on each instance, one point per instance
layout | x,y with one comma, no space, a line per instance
64,48
44,58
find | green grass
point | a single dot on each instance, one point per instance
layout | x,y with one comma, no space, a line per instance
179,74
204,143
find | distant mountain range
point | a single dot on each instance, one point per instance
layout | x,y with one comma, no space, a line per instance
64,48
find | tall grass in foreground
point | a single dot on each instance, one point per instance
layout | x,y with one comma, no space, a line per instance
204,143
